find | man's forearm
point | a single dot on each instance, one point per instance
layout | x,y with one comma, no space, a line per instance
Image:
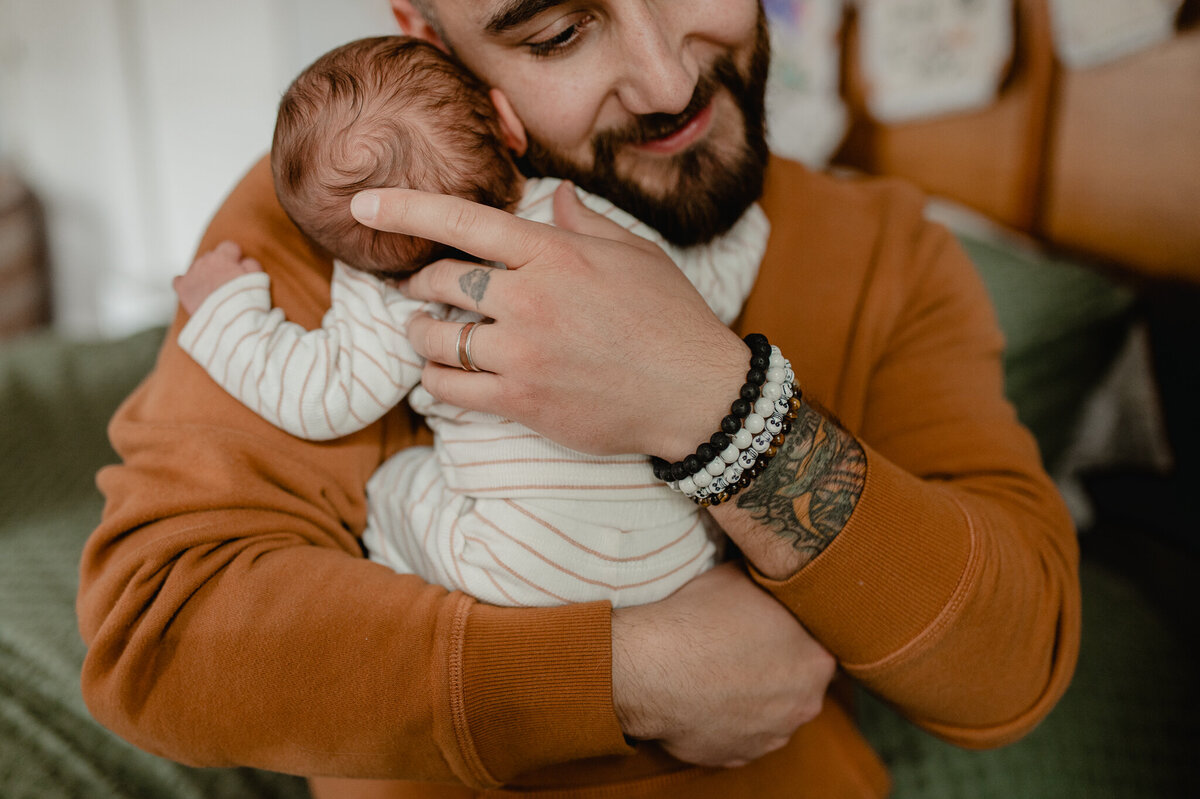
802,500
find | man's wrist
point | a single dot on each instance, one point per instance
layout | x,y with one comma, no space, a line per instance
709,400
802,501
636,711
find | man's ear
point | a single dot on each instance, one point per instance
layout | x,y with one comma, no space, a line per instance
511,128
413,23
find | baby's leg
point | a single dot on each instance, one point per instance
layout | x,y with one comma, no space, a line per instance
541,551
209,272
532,552
416,524
403,498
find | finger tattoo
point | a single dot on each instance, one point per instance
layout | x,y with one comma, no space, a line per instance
474,284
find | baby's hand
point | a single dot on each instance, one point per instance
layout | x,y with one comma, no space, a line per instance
211,271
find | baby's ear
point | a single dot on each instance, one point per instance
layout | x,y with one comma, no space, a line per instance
510,124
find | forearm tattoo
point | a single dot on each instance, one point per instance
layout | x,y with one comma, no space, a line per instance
810,488
474,284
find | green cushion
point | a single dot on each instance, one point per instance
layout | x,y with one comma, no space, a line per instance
1127,728
1064,324
55,401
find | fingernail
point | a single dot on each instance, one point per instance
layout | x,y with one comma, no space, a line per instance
365,206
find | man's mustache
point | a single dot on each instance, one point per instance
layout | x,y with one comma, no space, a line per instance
650,127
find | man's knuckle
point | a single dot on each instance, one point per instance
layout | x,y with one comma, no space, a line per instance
461,220
405,206
517,398
429,340
431,379
827,665
806,709
439,279
560,251
523,305
543,242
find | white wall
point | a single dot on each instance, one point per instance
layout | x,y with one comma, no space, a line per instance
132,118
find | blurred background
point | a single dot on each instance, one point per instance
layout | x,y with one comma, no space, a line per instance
1058,139
130,119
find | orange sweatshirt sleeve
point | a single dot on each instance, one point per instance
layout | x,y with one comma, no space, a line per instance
231,618
953,591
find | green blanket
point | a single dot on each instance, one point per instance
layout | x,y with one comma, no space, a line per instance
55,401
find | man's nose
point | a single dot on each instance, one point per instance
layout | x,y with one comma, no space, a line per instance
659,73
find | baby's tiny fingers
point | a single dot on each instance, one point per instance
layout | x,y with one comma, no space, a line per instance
229,249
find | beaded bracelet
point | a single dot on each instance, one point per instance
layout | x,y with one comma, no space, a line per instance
750,434
760,352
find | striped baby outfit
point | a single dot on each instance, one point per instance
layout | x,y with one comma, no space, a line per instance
492,508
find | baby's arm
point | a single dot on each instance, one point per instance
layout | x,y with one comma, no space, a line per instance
211,271
318,385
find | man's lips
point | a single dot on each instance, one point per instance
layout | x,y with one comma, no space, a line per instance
684,137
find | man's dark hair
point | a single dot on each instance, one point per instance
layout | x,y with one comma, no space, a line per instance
429,14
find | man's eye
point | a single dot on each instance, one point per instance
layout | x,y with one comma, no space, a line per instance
559,42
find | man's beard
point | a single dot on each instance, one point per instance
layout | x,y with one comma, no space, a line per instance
711,188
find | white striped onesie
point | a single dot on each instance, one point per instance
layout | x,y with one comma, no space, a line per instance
492,508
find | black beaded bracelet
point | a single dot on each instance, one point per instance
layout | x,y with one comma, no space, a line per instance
737,453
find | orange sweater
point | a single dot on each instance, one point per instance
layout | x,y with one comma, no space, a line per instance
231,618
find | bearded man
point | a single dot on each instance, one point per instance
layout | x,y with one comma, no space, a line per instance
903,536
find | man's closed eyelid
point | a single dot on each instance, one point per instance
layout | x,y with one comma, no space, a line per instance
516,13
558,35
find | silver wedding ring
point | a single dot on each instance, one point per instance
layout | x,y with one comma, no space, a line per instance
465,334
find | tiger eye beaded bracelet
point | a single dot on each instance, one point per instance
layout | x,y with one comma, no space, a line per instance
750,434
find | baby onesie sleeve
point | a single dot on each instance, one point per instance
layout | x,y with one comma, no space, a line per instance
317,384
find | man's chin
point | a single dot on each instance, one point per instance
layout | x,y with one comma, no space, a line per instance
690,198
707,198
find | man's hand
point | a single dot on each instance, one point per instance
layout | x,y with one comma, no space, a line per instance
719,672
599,343
211,271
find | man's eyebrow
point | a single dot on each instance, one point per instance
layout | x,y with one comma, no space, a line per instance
516,12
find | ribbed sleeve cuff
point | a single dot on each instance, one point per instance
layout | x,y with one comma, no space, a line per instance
862,597
537,687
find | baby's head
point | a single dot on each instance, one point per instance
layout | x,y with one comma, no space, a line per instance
388,111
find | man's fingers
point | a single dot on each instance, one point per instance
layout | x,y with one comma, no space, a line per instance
476,390
454,344
483,231
458,283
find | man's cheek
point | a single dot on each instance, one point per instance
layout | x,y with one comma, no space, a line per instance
557,112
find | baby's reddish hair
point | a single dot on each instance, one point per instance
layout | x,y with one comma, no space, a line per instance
383,112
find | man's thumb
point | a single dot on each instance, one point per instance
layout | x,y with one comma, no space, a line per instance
571,214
